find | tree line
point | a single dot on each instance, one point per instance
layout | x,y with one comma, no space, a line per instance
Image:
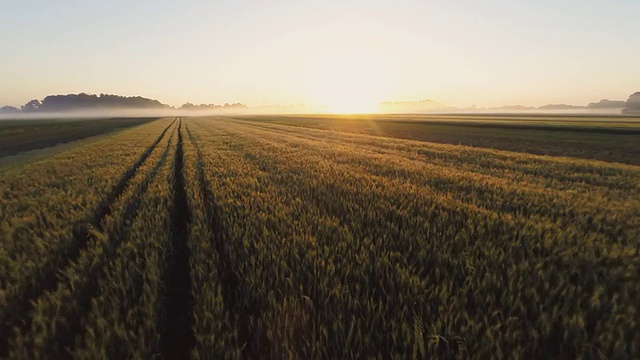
83,101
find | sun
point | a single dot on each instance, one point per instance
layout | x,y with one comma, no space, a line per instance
350,79
348,92
354,102
351,108
345,85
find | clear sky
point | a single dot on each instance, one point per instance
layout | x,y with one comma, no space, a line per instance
332,52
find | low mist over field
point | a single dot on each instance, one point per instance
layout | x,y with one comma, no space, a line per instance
103,105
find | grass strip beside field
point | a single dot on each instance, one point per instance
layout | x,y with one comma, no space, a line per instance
19,136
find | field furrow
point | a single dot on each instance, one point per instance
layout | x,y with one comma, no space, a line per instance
177,337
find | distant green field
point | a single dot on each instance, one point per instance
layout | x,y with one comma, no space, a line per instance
17,136
613,139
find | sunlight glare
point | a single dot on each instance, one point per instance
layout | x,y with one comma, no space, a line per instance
350,76
347,85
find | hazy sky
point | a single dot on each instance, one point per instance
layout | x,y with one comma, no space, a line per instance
332,52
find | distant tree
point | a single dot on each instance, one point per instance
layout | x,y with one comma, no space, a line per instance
85,101
606,104
33,105
633,104
558,107
188,106
8,110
